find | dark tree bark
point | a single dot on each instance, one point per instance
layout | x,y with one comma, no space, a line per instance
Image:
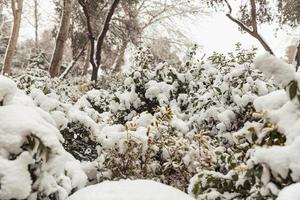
297,58
95,55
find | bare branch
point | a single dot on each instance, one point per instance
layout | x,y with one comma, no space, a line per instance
104,31
254,32
68,70
90,31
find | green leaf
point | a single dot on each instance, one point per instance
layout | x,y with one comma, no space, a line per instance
293,89
235,177
218,90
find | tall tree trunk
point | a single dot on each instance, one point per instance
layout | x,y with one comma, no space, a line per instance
17,6
102,36
87,60
297,58
36,24
1,18
104,31
62,36
95,56
95,74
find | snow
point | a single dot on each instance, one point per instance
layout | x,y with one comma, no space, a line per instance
115,136
274,67
73,168
15,179
126,100
29,134
129,190
179,124
261,87
283,113
287,158
290,192
273,100
226,117
39,123
144,119
159,90
111,135
8,88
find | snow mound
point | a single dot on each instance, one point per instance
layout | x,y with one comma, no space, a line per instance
290,192
130,190
15,179
274,67
7,90
33,162
16,125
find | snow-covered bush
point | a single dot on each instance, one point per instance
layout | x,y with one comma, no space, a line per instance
281,110
33,162
266,146
203,119
175,120
36,77
152,147
76,126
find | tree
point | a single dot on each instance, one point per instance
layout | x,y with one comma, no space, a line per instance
130,25
62,36
95,54
297,57
290,14
253,31
289,11
86,60
16,6
36,24
255,12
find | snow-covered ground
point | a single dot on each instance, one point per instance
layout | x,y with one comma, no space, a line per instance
130,190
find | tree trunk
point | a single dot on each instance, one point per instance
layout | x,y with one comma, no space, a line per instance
1,18
104,31
297,58
87,60
62,36
253,32
36,25
120,60
95,74
17,6
95,57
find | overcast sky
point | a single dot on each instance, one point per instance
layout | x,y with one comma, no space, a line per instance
46,18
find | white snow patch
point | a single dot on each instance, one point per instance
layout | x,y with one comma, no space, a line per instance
130,190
